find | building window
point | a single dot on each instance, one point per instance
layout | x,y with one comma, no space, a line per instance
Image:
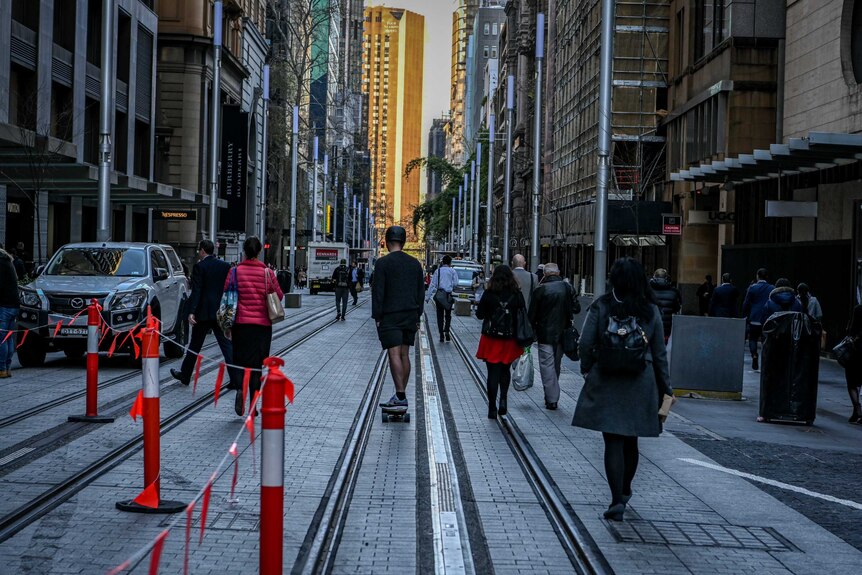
487,29
710,26
495,29
493,52
485,52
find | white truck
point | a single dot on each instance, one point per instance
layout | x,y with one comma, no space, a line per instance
323,258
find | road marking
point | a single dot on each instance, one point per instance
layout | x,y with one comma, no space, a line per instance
772,482
700,428
452,553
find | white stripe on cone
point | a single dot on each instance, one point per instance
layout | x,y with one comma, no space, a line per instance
272,458
151,377
92,339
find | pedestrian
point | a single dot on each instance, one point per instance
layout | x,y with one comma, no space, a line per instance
498,347
445,279
252,329
527,280
552,310
478,285
704,294
725,299
208,279
853,369
623,405
354,281
360,278
810,304
668,298
781,298
303,276
752,307
540,272
8,312
20,267
396,306
341,278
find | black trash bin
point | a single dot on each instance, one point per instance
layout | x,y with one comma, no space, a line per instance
790,368
285,280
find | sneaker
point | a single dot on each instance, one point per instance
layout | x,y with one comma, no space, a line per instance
338,318
448,337
395,403
551,405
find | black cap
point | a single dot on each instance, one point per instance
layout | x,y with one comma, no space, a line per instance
396,234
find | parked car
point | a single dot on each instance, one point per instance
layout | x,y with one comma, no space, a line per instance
125,278
467,270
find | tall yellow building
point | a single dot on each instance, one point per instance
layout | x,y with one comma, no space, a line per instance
392,79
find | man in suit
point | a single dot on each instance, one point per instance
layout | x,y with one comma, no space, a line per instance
756,299
725,299
527,280
208,278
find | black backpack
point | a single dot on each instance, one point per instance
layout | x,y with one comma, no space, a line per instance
342,277
623,346
500,323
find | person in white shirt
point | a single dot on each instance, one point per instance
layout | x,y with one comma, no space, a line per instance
444,280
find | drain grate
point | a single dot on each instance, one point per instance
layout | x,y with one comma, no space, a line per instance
226,521
444,488
700,535
16,455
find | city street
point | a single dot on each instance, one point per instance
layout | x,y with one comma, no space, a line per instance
450,490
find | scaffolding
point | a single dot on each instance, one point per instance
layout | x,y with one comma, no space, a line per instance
639,99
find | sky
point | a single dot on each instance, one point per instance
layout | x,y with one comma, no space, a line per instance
438,54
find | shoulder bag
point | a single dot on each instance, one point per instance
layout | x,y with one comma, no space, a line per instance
845,351
226,314
524,334
273,302
441,297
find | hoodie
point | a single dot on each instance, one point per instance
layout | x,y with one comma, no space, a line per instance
780,299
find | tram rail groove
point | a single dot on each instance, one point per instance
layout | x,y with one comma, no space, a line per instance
20,518
318,551
56,402
579,545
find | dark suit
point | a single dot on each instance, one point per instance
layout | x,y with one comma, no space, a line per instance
725,301
208,278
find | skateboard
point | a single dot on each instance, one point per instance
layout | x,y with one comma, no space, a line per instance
395,414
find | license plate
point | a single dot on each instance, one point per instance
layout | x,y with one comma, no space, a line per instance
463,296
73,331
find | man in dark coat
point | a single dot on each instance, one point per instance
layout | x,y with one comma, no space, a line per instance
341,277
704,294
208,278
668,297
554,304
756,299
725,299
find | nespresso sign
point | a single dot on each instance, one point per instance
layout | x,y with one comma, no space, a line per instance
175,215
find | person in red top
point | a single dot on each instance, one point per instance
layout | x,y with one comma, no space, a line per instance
502,294
252,328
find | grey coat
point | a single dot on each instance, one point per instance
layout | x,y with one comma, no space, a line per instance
619,403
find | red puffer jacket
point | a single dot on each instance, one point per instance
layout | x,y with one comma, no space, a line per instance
252,285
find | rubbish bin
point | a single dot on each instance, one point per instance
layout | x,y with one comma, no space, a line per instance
790,368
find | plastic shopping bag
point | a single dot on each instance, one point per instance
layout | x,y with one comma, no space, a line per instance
522,371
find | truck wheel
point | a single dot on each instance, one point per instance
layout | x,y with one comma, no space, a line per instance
175,348
75,350
32,353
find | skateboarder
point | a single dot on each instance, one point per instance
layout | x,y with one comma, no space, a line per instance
396,306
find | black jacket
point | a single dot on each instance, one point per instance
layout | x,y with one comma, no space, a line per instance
669,301
8,282
724,302
552,308
342,269
208,277
491,299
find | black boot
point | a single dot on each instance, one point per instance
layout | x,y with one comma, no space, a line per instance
491,388
857,415
504,392
754,365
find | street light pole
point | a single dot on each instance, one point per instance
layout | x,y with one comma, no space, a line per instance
507,193
600,259
489,200
106,113
324,199
294,153
452,224
466,220
460,210
215,119
537,142
477,168
344,217
314,191
265,149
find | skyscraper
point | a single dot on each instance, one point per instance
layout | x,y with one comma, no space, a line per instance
462,26
392,79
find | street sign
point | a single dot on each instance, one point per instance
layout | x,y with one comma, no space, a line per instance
175,215
671,225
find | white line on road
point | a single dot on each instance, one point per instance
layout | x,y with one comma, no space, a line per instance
772,482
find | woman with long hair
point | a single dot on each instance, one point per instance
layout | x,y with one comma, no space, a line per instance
498,348
623,404
252,329
8,311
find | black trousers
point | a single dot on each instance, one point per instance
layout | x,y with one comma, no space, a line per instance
444,319
353,293
199,333
341,301
251,345
755,334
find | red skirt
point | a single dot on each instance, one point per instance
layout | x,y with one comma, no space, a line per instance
496,350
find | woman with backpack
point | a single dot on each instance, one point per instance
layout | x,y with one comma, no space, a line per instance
624,363
498,346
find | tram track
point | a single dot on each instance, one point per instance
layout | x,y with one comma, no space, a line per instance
108,383
579,545
24,515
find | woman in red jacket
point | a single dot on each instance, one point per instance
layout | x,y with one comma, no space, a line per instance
252,328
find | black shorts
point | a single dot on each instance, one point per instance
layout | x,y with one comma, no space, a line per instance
398,329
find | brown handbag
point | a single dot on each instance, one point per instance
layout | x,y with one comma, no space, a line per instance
273,302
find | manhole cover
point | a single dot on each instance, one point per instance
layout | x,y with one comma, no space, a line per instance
226,521
700,535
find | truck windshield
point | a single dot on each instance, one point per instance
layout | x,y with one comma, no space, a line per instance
121,262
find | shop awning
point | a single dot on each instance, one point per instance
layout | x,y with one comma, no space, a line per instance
819,151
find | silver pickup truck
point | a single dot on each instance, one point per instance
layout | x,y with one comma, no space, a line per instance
124,278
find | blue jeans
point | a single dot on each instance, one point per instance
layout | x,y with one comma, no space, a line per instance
7,323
